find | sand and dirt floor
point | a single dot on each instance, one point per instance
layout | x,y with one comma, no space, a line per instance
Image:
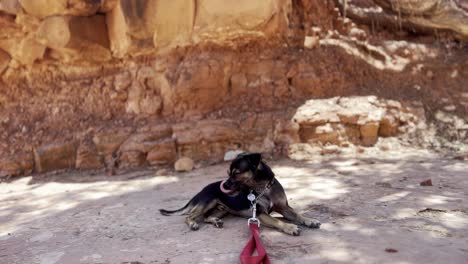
372,207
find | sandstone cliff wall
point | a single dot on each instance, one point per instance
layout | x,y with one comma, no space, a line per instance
120,83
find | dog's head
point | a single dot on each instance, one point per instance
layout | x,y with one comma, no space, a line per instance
247,171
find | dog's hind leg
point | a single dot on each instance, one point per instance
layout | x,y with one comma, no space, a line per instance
297,218
287,228
215,216
197,212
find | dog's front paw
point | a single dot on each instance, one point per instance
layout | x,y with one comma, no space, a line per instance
292,229
218,223
194,226
312,223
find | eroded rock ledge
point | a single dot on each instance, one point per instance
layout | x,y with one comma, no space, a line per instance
356,120
340,121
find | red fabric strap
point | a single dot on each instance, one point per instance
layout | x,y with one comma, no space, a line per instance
254,243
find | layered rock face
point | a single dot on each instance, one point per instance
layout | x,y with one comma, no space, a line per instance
110,84
99,31
109,63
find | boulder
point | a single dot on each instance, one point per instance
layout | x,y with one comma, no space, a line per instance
184,164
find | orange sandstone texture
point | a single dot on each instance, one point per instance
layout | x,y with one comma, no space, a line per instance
121,83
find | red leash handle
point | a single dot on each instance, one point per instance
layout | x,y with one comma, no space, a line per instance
254,243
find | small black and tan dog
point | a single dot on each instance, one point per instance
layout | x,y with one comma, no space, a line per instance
247,173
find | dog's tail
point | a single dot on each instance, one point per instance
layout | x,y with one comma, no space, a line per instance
181,211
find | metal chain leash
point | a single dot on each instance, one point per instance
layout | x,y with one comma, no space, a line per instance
253,200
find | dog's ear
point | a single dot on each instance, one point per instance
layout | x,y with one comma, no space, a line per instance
254,159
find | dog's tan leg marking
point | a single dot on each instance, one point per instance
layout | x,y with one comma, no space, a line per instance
297,218
191,220
215,217
197,212
287,228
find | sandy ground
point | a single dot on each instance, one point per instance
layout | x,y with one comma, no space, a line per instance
373,210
